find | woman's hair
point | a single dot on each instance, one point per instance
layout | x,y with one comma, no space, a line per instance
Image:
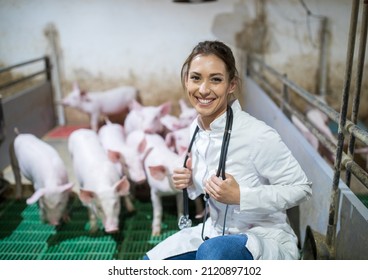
216,48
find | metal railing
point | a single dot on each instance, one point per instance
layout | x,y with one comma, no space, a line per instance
26,102
261,72
46,71
288,85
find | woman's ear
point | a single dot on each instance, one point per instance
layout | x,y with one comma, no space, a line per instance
186,81
233,86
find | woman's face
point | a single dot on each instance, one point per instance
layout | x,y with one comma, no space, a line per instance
208,87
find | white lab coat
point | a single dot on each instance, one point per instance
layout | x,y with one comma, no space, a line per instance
270,181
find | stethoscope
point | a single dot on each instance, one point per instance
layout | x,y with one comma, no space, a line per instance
184,220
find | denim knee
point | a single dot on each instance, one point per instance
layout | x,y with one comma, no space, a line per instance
227,247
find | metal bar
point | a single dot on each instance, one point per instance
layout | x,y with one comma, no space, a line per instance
347,161
285,96
21,64
358,84
350,127
323,59
330,146
331,228
307,96
23,79
48,68
355,169
2,121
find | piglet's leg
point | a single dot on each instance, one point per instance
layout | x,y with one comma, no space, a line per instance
157,213
129,204
92,221
16,171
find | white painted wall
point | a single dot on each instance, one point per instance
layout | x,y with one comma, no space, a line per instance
109,38
144,42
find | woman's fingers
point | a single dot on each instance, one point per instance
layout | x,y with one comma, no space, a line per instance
182,178
225,191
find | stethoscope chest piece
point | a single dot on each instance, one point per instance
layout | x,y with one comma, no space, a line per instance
184,222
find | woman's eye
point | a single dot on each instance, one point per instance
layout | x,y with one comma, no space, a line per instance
194,78
217,80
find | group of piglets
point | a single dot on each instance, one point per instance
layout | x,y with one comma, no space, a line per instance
144,148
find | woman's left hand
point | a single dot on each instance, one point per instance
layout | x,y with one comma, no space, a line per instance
226,191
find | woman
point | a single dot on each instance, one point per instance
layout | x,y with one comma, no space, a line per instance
248,202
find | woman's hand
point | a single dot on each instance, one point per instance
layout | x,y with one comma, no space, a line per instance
226,191
182,177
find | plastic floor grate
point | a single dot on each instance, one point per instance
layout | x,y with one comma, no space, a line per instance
24,237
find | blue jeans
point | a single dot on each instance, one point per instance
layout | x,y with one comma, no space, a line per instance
226,247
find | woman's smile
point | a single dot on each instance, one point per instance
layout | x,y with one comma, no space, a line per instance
205,101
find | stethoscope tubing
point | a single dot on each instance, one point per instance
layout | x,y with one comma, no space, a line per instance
220,169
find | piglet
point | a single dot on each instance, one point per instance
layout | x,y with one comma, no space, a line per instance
100,182
185,119
41,164
95,104
320,121
127,160
146,118
187,114
159,162
178,140
305,131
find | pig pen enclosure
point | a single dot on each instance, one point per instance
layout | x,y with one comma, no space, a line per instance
23,236
333,224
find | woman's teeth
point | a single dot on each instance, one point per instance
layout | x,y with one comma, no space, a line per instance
204,101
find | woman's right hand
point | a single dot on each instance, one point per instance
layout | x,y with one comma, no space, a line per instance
182,177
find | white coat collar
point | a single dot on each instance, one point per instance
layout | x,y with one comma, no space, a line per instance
219,123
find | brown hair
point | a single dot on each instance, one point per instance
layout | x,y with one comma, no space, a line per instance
216,48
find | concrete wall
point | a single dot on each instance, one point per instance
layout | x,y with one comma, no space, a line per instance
107,43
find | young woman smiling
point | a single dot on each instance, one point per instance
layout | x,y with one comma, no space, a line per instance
246,205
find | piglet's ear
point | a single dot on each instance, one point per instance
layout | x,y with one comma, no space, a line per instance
170,122
67,187
135,105
122,186
165,108
36,196
142,146
170,140
86,196
113,156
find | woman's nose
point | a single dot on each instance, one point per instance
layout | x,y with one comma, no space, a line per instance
204,88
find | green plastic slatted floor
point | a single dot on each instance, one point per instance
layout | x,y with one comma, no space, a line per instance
24,237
